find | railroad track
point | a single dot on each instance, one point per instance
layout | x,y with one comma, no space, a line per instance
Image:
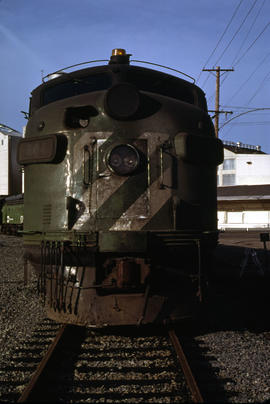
37,381
126,366
192,384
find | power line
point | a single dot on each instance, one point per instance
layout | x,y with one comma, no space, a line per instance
248,49
224,134
250,29
245,52
259,123
259,65
205,81
239,107
249,77
220,39
242,23
251,8
241,114
259,88
245,82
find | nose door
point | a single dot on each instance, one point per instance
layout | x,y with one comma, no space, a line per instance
122,183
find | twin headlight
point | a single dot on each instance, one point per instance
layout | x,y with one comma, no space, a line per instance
123,159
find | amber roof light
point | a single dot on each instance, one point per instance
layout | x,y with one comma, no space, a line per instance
118,51
119,56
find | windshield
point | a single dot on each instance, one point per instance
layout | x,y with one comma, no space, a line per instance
76,86
158,83
150,81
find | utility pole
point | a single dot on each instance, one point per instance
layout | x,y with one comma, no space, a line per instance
217,111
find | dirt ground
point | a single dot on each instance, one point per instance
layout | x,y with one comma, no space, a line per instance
250,239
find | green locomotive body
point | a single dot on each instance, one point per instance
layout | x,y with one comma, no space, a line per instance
12,214
120,194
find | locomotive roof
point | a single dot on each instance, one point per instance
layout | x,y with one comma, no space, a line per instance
115,68
127,72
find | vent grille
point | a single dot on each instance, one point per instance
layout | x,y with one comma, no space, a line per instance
174,239
47,214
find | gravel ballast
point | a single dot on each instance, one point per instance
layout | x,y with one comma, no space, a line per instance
241,361
19,304
20,312
239,357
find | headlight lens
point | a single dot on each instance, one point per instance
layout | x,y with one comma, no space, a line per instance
122,101
123,159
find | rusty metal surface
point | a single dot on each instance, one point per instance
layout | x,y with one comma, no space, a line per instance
113,290
197,397
32,385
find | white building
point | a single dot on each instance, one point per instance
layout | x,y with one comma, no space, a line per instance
243,165
244,188
10,171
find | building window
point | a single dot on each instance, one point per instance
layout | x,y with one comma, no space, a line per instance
2,142
228,179
235,217
229,164
256,217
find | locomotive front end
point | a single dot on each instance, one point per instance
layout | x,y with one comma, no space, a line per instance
120,194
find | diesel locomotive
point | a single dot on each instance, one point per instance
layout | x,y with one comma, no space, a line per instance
120,214
11,214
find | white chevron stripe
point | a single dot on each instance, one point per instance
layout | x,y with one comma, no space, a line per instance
148,204
158,197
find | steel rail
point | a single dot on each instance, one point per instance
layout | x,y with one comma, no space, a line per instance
193,387
42,365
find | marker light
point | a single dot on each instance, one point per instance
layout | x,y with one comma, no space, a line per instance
42,149
83,122
118,52
119,56
123,159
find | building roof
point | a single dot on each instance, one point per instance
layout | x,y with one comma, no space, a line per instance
244,192
241,148
7,131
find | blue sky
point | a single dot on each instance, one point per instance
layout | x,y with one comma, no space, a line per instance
38,35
